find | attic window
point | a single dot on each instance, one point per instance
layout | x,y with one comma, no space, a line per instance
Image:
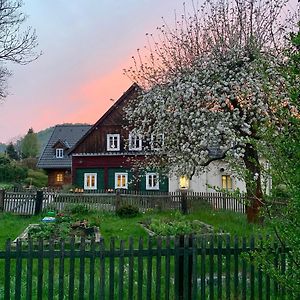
157,141
59,153
113,142
135,142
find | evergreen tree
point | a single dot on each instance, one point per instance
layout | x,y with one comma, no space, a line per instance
30,145
11,151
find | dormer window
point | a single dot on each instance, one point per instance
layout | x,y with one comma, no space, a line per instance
135,142
59,153
113,142
157,141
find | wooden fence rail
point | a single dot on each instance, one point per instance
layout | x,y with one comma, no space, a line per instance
207,267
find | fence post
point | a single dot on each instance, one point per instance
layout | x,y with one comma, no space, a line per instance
38,202
184,206
2,195
185,272
118,199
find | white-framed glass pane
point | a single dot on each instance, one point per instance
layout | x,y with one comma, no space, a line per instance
90,181
113,142
152,181
59,153
135,142
157,141
121,181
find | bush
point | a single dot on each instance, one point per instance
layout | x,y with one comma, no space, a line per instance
78,209
127,211
36,178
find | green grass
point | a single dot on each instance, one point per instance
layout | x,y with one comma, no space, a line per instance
12,225
123,228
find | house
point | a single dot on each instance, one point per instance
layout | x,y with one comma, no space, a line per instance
55,159
104,158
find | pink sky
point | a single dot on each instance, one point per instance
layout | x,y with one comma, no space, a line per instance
86,45
85,48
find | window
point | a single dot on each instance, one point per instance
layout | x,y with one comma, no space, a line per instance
135,142
121,181
152,181
113,142
90,181
184,182
59,153
157,141
59,177
226,182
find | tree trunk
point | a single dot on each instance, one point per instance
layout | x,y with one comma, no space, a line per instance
253,184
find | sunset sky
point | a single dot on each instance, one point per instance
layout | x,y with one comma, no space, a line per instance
85,45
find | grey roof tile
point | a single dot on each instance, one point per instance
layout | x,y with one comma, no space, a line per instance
69,135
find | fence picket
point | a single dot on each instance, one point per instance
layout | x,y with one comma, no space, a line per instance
40,269
130,269
149,270
102,269
7,267
112,269
61,271
92,270
81,269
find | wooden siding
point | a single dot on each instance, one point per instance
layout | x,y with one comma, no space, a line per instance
52,173
95,141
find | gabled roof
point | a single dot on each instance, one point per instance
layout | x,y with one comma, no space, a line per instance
61,144
67,135
133,88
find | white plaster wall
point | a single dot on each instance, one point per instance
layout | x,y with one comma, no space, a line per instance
211,177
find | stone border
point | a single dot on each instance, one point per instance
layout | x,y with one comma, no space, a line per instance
23,237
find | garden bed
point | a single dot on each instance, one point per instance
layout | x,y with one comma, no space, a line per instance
178,224
89,234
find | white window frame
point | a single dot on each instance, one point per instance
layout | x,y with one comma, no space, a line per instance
59,153
90,187
153,137
151,186
108,141
126,181
135,142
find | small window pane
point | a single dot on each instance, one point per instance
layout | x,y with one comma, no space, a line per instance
152,181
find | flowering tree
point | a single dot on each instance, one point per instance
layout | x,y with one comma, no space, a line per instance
212,84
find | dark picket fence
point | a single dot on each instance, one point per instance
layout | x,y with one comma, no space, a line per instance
206,267
29,203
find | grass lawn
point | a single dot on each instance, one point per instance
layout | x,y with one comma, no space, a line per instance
123,228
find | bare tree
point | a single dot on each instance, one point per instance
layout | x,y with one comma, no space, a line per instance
214,80
16,45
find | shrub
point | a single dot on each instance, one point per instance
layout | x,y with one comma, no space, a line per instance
36,178
78,209
127,211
